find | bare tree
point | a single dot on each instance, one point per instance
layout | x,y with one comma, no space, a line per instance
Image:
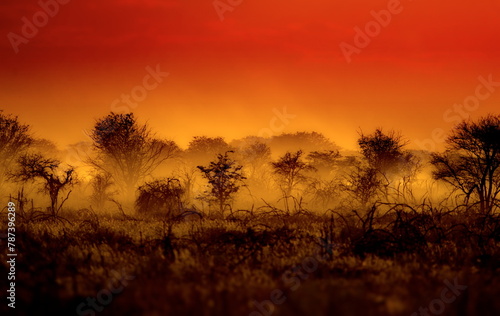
471,162
225,179
128,150
14,140
35,166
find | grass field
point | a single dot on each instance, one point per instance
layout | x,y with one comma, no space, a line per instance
389,260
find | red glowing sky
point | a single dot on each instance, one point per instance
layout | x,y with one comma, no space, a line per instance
226,77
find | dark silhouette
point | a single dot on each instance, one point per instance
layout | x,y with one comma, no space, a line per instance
15,138
225,179
384,153
385,162
471,162
305,141
161,198
290,171
35,166
127,150
362,184
345,228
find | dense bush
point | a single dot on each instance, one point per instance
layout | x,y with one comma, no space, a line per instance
160,198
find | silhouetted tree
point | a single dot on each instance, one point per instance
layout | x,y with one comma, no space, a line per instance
324,184
386,159
290,171
128,150
385,153
471,162
248,140
304,141
202,149
323,161
15,138
101,185
255,156
225,179
35,166
363,184
187,176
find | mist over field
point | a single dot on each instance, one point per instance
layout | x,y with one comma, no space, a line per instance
128,223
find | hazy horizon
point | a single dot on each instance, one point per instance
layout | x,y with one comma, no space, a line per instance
225,77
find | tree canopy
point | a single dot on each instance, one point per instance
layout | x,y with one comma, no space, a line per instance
15,138
471,162
127,150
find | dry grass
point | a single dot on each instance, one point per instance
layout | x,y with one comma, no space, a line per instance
389,260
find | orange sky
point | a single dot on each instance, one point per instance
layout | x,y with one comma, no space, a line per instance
226,77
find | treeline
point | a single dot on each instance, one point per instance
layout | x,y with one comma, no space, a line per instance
125,165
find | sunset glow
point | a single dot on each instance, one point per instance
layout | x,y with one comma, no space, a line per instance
250,157
226,77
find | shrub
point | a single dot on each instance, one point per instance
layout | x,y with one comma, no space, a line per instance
160,198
